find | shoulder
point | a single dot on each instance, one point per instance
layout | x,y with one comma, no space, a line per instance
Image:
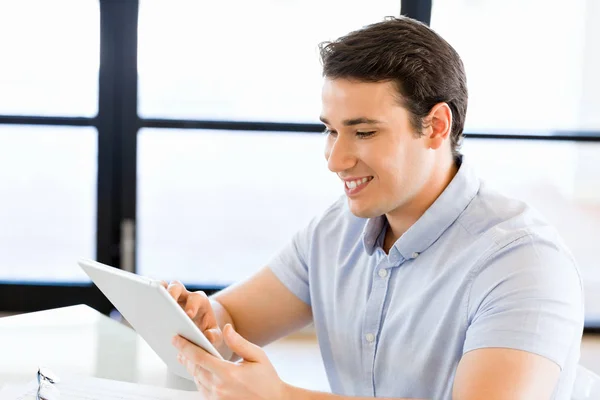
524,256
501,223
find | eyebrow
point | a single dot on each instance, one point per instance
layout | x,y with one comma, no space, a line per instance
354,121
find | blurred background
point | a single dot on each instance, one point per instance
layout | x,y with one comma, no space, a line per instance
180,139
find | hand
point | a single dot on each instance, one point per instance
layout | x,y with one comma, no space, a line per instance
253,378
197,306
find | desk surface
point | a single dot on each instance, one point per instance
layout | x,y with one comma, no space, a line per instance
80,340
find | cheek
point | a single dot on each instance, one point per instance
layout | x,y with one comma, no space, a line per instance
396,172
392,175
390,164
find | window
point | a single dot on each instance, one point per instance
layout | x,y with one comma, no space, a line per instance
48,192
214,206
533,67
263,67
50,64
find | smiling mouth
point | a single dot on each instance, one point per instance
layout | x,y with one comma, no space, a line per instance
351,185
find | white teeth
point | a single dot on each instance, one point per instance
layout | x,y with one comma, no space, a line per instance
358,182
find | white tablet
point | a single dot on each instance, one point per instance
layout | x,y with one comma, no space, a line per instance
150,310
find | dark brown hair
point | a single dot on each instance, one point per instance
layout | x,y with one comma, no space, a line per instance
424,67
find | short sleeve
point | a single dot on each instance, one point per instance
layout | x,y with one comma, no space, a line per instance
291,264
529,297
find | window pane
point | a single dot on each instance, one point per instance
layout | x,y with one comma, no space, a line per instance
264,65
533,66
562,182
50,57
214,206
48,192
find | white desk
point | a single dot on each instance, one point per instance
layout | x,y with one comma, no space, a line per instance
80,340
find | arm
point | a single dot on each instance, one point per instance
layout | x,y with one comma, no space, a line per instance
498,374
276,300
261,309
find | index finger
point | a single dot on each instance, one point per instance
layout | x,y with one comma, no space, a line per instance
177,291
199,356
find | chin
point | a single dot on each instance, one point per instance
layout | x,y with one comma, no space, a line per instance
362,210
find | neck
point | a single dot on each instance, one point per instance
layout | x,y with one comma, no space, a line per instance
402,218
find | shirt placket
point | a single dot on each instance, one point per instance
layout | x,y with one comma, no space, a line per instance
372,319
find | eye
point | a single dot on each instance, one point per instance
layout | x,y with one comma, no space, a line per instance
329,132
365,134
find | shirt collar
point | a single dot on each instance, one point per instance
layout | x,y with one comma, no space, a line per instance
436,219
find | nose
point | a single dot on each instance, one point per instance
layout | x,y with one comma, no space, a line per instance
340,154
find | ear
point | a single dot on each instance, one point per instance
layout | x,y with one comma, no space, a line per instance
439,127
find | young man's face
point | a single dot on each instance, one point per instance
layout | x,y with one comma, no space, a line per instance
373,148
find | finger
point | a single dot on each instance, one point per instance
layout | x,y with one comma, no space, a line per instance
197,302
203,387
243,348
191,367
199,356
204,391
177,291
203,378
198,307
164,284
209,320
214,336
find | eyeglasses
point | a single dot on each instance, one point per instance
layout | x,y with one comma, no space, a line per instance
46,388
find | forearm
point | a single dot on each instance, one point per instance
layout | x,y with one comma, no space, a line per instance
294,393
262,309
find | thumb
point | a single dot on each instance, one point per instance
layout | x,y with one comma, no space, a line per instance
243,348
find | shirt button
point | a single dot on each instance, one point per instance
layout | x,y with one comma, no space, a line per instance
370,337
382,272
415,255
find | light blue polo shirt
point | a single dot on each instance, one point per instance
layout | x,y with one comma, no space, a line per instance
476,270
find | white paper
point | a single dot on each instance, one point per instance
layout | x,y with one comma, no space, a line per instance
85,388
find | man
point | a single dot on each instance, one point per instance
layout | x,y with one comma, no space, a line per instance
421,281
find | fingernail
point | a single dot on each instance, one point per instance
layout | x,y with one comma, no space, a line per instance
190,313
